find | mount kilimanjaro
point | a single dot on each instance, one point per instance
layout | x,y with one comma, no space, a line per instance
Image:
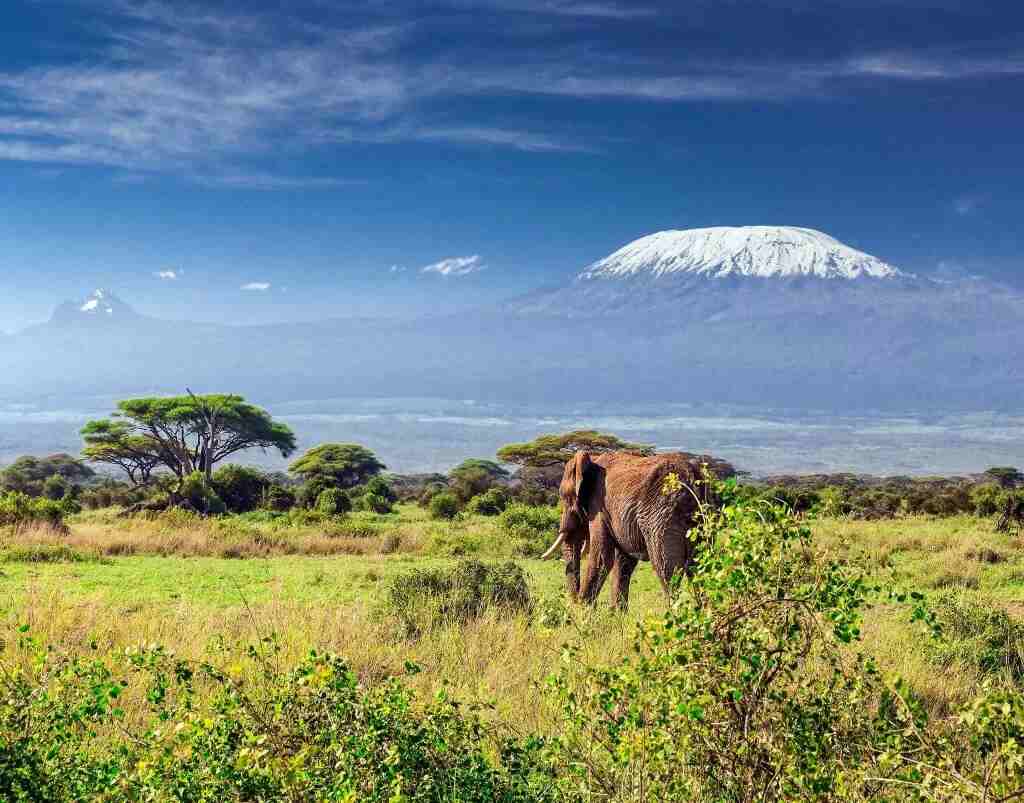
766,315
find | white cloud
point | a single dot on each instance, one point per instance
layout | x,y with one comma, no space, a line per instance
397,269
169,275
256,286
456,266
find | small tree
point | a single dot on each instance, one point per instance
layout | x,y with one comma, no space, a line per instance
343,465
1006,476
240,487
474,465
29,474
550,450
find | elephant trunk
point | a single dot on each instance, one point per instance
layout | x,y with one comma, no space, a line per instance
571,552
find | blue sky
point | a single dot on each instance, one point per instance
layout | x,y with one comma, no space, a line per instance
287,161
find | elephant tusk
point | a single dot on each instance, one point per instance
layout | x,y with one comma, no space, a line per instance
554,546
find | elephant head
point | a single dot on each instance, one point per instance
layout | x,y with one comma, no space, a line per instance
578,492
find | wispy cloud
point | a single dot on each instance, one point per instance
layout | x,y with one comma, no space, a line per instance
570,8
198,91
456,266
168,275
506,138
936,66
397,269
258,287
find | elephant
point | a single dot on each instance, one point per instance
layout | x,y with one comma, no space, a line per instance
615,507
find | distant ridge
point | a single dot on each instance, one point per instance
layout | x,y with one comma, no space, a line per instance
752,251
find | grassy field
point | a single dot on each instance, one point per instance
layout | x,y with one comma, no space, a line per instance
205,589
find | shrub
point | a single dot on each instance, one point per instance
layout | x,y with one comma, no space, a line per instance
428,598
277,497
373,503
18,510
309,492
531,529
449,543
980,635
200,495
490,503
469,483
429,492
333,502
308,731
378,486
444,506
748,689
110,492
30,474
241,488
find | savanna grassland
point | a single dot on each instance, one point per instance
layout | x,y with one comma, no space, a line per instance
205,587
269,657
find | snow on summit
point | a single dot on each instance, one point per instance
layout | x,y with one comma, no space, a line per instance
760,251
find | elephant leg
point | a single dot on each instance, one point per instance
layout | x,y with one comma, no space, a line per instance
622,572
599,560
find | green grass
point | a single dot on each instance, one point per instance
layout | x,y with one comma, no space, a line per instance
217,583
162,581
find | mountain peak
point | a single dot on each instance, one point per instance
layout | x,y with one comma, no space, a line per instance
100,304
750,251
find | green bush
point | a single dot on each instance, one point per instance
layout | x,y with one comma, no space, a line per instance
428,598
310,731
988,499
378,486
372,503
754,686
333,502
200,495
429,492
18,510
279,498
489,503
309,492
980,635
531,529
241,488
443,506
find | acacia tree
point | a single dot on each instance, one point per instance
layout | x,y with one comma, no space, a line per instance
551,450
343,465
182,433
113,443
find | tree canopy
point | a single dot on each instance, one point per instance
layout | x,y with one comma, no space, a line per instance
1006,476
549,450
29,474
343,465
182,433
474,464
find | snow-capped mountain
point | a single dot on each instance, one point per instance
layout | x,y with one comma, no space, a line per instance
99,305
751,251
769,316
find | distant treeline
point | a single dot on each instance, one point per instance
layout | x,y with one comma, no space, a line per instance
867,497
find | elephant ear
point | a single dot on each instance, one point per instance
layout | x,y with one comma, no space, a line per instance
586,480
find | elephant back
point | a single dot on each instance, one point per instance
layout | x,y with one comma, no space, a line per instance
671,504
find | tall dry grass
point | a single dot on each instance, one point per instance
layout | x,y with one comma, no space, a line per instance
499,660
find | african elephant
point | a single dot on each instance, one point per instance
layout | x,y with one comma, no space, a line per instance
615,505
